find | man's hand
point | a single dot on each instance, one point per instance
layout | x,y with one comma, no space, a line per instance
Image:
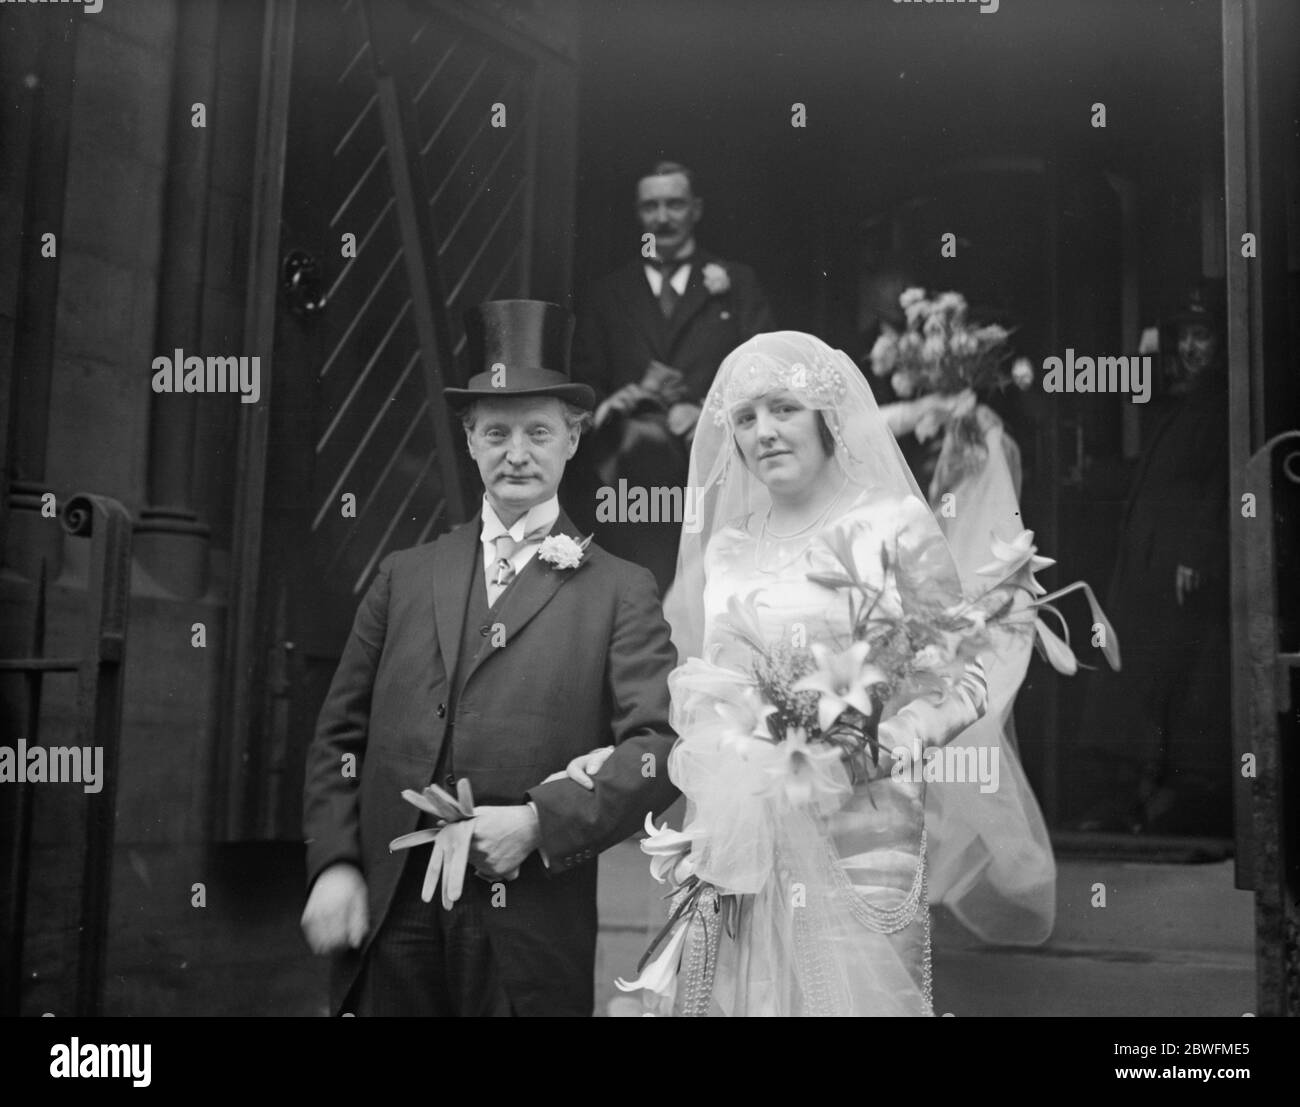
664,382
682,419
660,384
503,838
336,916
1186,581
621,402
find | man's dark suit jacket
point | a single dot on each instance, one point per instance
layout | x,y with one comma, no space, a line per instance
621,327
620,330
585,663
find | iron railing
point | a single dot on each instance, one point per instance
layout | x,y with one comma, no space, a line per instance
99,666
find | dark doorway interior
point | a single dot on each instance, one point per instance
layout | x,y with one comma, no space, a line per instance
921,120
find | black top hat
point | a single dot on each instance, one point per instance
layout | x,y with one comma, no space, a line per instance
520,348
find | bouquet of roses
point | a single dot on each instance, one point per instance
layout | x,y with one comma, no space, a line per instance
940,350
942,354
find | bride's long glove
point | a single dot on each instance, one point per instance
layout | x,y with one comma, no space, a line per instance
922,723
926,415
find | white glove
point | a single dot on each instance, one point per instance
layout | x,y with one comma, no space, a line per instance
922,723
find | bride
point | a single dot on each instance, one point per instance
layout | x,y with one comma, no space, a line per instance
812,858
831,916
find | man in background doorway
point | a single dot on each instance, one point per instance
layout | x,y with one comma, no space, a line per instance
649,340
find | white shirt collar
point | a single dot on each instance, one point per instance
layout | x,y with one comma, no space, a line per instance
684,256
539,515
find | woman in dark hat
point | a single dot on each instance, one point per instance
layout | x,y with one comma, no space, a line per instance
1159,729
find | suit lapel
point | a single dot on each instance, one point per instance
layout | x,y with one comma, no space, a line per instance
643,308
694,298
531,591
454,564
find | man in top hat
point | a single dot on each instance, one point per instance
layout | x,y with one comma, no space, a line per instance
494,656
1159,728
650,338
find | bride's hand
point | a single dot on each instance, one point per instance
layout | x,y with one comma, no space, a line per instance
974,688
581,769
951,405
938,409
963,403
922,723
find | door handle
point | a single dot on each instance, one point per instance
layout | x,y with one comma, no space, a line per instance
301,280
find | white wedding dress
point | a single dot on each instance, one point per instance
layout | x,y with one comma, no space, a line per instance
833,917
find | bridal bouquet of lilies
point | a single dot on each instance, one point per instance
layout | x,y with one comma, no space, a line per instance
810,711
818,704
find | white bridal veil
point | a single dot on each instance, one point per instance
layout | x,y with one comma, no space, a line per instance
989,858
723,490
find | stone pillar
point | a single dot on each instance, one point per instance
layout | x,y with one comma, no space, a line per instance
171,542
41,53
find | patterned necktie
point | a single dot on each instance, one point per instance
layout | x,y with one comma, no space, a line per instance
668,296
506,547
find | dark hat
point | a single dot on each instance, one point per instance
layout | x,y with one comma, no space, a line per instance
520,348
1197,307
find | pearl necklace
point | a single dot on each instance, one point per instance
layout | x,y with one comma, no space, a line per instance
815,526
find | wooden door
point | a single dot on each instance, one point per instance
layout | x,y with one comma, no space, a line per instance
410,186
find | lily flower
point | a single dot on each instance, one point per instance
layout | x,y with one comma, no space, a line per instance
1010,557
660,975
747,717
806,772
1020,552
1055,650
742,620
669,852
844,680
1109,643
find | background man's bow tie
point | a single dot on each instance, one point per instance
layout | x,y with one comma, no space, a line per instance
668,268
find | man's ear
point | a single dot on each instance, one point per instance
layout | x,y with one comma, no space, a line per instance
575,435
469,443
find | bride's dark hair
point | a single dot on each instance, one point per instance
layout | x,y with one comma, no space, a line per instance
823,432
